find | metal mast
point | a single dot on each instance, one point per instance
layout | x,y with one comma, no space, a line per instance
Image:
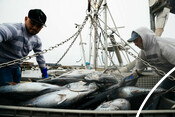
82,47
95,42
105,35
95,17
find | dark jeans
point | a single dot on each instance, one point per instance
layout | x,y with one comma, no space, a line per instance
8,74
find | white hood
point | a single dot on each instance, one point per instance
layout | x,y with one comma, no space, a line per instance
148,37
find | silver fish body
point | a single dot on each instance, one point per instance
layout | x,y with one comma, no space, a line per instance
69,77
103,80
64,98
24,91
114,105
132,91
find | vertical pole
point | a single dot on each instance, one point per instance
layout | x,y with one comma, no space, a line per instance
82,47
90,44
95,42
116,49
105,36
96,34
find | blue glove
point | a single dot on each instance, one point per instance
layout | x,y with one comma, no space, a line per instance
44,73
131,80
130,77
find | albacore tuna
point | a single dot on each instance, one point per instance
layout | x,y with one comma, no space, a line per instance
103,80
113,105
25,91
65,98
69,77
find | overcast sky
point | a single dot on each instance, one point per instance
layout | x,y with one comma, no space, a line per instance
63,14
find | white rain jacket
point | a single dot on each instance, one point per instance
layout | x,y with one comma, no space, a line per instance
157,51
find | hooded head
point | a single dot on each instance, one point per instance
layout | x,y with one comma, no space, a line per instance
147,36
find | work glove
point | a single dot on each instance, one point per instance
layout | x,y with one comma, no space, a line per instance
131,80
44,73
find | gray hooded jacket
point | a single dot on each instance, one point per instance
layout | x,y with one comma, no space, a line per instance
157,51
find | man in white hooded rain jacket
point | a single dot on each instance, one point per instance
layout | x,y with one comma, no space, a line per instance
157,51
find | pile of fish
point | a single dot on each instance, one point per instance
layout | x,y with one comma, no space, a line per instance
77,89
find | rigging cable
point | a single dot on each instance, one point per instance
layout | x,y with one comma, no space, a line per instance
125,43
79,31
79,60
104,47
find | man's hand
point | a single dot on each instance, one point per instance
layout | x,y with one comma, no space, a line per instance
44,73
131,80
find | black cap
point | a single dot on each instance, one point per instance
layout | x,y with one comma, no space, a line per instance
38,16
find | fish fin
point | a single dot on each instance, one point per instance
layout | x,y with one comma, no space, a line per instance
173,107
62,97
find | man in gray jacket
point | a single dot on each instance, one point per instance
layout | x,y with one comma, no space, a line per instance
16,41
157,51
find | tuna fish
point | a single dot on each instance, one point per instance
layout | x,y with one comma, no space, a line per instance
96,98
114,92
69,77
103,80
64,98
61,80
113,105
24,91
132,92
135,95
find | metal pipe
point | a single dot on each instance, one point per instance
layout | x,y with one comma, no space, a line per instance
105,35
117,52
82,47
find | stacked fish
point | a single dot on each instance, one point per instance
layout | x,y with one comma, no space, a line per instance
78,89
